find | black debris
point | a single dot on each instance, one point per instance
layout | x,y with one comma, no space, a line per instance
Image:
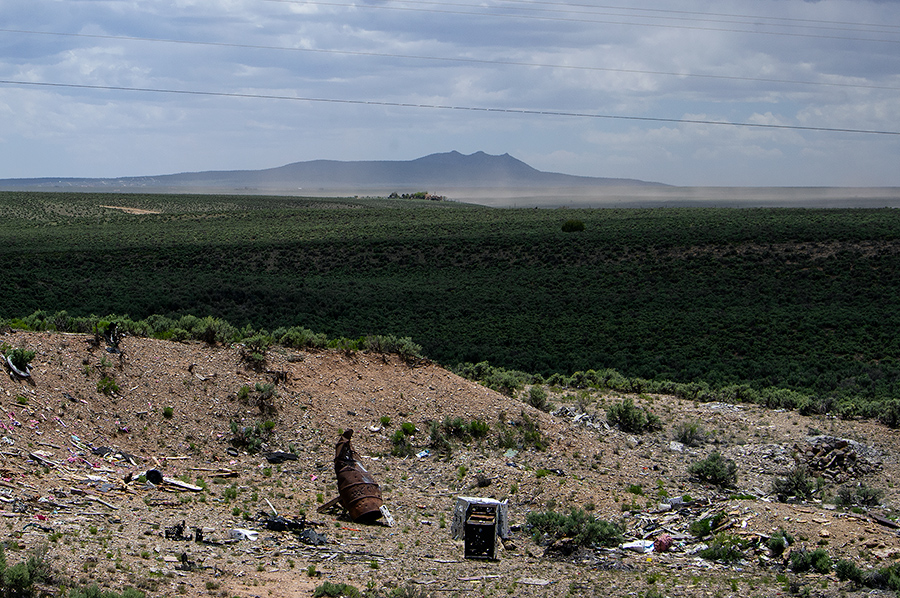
277,457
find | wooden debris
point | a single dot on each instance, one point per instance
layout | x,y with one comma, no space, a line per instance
182,485
885,522
328,505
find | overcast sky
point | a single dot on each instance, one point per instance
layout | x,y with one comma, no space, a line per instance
107,88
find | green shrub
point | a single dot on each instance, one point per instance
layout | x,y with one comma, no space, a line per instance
94,591
778,542
797,484
537,398
715,470
336,590
478,429
572,226
244,393
848,496
404,347
168,412
848,571
107,385
499,379
703,527
583,528
300,338
400,444
629,418
252,437
456,427
804,560
437,440
17,580
724,547
689,434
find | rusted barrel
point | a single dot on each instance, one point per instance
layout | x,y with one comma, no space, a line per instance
359,492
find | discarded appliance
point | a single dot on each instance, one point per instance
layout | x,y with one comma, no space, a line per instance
479,521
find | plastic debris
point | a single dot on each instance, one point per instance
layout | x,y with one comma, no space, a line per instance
244,534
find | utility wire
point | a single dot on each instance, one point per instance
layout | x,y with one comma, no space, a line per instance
521,111
574,19
755,18
449,59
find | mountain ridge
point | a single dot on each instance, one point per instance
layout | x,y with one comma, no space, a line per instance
431,172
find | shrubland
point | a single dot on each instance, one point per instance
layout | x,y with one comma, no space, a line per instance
788,308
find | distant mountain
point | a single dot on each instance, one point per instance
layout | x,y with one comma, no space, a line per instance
434,173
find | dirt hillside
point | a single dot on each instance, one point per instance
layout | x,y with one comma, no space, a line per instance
80,434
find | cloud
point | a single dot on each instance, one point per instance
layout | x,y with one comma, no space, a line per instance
821,64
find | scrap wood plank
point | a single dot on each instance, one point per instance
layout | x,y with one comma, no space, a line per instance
217,472
329,504
43,460
884,521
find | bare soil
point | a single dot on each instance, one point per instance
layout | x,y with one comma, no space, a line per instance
175,407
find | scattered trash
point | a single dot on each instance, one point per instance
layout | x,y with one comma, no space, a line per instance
359,493
277,457
176,532
43,528
312,537
388,518
154,476
662,543
181,484
277,523
114,455
424,453
641,546
244,534
186,564
532,581
26,373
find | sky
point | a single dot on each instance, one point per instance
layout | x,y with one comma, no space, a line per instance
688,92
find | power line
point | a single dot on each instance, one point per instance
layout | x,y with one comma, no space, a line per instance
519,111
449,59
706,14
573,19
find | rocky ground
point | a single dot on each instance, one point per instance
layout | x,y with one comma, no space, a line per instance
80,433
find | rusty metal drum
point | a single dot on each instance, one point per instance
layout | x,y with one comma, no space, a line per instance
359,492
